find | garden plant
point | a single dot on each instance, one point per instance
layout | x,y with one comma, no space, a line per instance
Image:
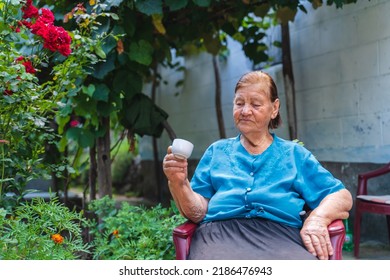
41,65
41,230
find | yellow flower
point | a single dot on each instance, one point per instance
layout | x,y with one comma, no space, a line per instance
57,238
116,233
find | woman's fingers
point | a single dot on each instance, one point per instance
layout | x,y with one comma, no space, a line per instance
316,239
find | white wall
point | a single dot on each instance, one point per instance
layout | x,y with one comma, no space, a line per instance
341,63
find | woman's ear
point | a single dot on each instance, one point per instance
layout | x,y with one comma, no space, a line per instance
275,110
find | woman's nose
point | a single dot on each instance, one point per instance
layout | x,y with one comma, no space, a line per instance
246,109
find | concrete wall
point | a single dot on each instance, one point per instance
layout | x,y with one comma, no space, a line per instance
341,61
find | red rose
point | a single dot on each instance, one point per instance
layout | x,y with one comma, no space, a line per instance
29,67
27,64
29,10
38,28
46,16
57,38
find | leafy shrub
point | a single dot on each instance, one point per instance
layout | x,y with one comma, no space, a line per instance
41,230
133,232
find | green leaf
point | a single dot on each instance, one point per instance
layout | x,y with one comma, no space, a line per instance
101,93
255,52
129,83
103,68
175,5
114,16
108,45
149,7
89,90
143,116
112,3
105,108
99,51
141,52
82,136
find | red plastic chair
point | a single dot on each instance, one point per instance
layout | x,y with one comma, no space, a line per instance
369,203
182,236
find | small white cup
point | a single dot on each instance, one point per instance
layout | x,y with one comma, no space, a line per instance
182,148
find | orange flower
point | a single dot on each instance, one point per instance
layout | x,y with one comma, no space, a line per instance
57,238
116,233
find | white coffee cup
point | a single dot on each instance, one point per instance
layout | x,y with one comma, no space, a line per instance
182,148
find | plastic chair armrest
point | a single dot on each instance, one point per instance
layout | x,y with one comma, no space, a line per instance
336,231
182,236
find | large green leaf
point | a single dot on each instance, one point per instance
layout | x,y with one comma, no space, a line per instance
141,52
105,108
103,68
149,7
109,44
128,83
256,52
143,117
83,137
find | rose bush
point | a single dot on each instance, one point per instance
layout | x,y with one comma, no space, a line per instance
41,65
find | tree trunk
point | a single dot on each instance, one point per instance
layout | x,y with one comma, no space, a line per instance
288,78
157,165
218,99
104,161
92,173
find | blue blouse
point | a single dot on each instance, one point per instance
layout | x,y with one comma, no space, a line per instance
274,185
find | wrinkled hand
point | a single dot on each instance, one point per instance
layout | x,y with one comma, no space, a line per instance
316,238
175,168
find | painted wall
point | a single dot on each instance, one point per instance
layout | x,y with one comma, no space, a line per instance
341,63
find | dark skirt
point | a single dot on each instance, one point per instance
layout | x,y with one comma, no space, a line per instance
247,239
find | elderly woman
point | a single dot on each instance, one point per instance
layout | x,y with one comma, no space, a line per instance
247,192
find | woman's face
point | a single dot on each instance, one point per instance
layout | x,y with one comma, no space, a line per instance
253,109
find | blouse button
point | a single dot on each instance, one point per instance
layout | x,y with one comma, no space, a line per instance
251,173
248,189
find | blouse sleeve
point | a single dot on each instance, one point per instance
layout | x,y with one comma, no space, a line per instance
201,180
314,182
